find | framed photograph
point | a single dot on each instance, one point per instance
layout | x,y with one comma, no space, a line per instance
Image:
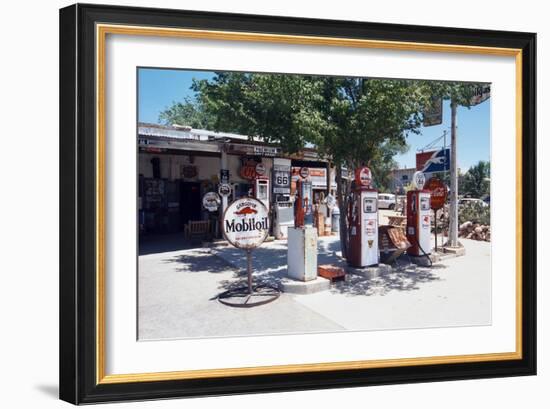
258,203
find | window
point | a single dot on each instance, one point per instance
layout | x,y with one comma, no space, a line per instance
369,205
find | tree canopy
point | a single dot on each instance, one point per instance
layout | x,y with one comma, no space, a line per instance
476,181
187,113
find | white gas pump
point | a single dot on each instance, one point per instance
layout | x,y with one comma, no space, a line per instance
363,222
419,218
284,218
261,190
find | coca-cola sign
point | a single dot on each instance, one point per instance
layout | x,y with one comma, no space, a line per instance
245,223
438,192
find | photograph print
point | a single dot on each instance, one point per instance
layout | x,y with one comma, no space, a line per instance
275,203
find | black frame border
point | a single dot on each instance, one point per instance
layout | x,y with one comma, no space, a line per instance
78,210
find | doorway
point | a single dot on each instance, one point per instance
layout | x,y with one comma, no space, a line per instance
190,202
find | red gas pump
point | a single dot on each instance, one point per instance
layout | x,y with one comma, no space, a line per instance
418,218
363,221
303,209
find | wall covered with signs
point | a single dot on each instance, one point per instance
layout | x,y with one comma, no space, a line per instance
174,167
201,168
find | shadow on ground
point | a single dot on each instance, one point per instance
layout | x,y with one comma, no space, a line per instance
402,279
163,243
194,262
269,265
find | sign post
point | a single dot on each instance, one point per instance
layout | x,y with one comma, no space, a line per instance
249,269
245,225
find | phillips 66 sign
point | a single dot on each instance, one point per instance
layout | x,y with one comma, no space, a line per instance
246,223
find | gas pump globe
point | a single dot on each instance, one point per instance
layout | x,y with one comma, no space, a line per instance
363,221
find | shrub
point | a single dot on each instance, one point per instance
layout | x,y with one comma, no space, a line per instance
474,212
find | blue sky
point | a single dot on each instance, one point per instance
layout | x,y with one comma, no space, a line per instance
159,88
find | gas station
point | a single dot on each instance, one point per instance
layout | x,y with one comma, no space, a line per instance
278,264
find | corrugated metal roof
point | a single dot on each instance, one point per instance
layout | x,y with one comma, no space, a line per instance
180,137
160,131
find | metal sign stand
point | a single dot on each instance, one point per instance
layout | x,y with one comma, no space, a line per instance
249,296
435,228
249,269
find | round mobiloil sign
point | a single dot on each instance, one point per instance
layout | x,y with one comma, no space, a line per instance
246,223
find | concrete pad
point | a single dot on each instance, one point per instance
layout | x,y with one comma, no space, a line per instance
457,251
288,285
370,272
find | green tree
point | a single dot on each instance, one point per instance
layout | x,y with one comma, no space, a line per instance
476,181
279,109
383,164
187,113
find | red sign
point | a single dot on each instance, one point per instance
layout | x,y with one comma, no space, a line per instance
422,158
363,176
248,168
438,192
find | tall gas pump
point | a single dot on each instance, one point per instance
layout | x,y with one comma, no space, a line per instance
261,190
363,221
418,218
302,238
303,204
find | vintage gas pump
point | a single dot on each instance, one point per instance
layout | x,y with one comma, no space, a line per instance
261,190
303,212
418,218
302,238
363,221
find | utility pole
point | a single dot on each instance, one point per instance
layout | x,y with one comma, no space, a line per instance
453,211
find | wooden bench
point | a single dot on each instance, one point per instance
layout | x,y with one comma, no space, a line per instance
392,242
197,229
